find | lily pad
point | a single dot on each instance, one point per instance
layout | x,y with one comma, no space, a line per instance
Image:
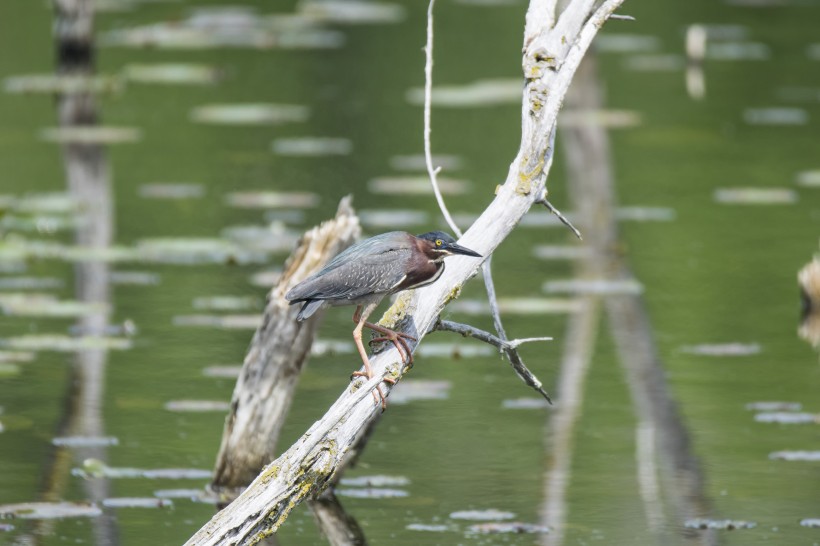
486,515
809,179
195,251
430,527
655,62
171,73
787,418
372,493
227,372
455,350
481,93
376,481
738,51
49,510
411,390
136,278
798,455
323,347
518,306
622,42
526,403
51,84
560,252
776,116
352,11
723,349
755,196
611,119
774,406
227,303
514,527
46,342
270,199
602,287
94,468
810,522
394,219
33,307
250,114
721,524
228,322
417,185
9,370
91,135
172,191
419,163
136,502
312,146
197,406
16,356
85,441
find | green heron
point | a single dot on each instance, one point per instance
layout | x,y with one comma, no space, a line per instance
363,274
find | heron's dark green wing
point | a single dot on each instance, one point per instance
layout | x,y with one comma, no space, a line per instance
365,274
372,246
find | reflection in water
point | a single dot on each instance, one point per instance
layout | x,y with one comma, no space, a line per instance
809,280
669,480
88,180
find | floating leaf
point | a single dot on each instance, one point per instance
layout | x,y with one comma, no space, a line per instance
645,214
394,219
53,83
323,347
433,528
453,350
722,349
171,73
488,515
626,43
560,252
411,390
94,468
87,134
419,162
49,510
787,418
250,114
226,303
195,250
774,406
34,307
600,287
227,372
85,441
655,62
738,51
270,199
810,522
190,494
611,119
172,191
138,278
312,146
515,527
229,322
795,455
809,179
417,185
481,93
722,524
372,493
274,238
197,406
136,502
60,343
352,11
376,481
526,403
755,196
776,116
518,306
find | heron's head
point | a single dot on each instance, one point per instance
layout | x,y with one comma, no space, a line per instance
437,245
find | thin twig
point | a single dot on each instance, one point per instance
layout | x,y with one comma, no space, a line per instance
564,220
508,347
482,335
428,100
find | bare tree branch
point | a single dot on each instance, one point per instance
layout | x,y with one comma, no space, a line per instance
303,471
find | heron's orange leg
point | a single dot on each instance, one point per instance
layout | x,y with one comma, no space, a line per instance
397,338
359,318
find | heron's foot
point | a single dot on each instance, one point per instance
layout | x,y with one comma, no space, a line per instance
398,339
378,395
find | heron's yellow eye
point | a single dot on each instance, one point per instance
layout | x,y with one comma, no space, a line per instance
438,242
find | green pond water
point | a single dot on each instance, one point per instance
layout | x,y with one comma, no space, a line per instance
718,271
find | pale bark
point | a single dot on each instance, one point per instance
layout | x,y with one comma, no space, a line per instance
305,469
275,358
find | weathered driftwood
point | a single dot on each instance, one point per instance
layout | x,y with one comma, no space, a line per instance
669,480
275,358
551,56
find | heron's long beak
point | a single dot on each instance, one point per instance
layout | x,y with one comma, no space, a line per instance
458,249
